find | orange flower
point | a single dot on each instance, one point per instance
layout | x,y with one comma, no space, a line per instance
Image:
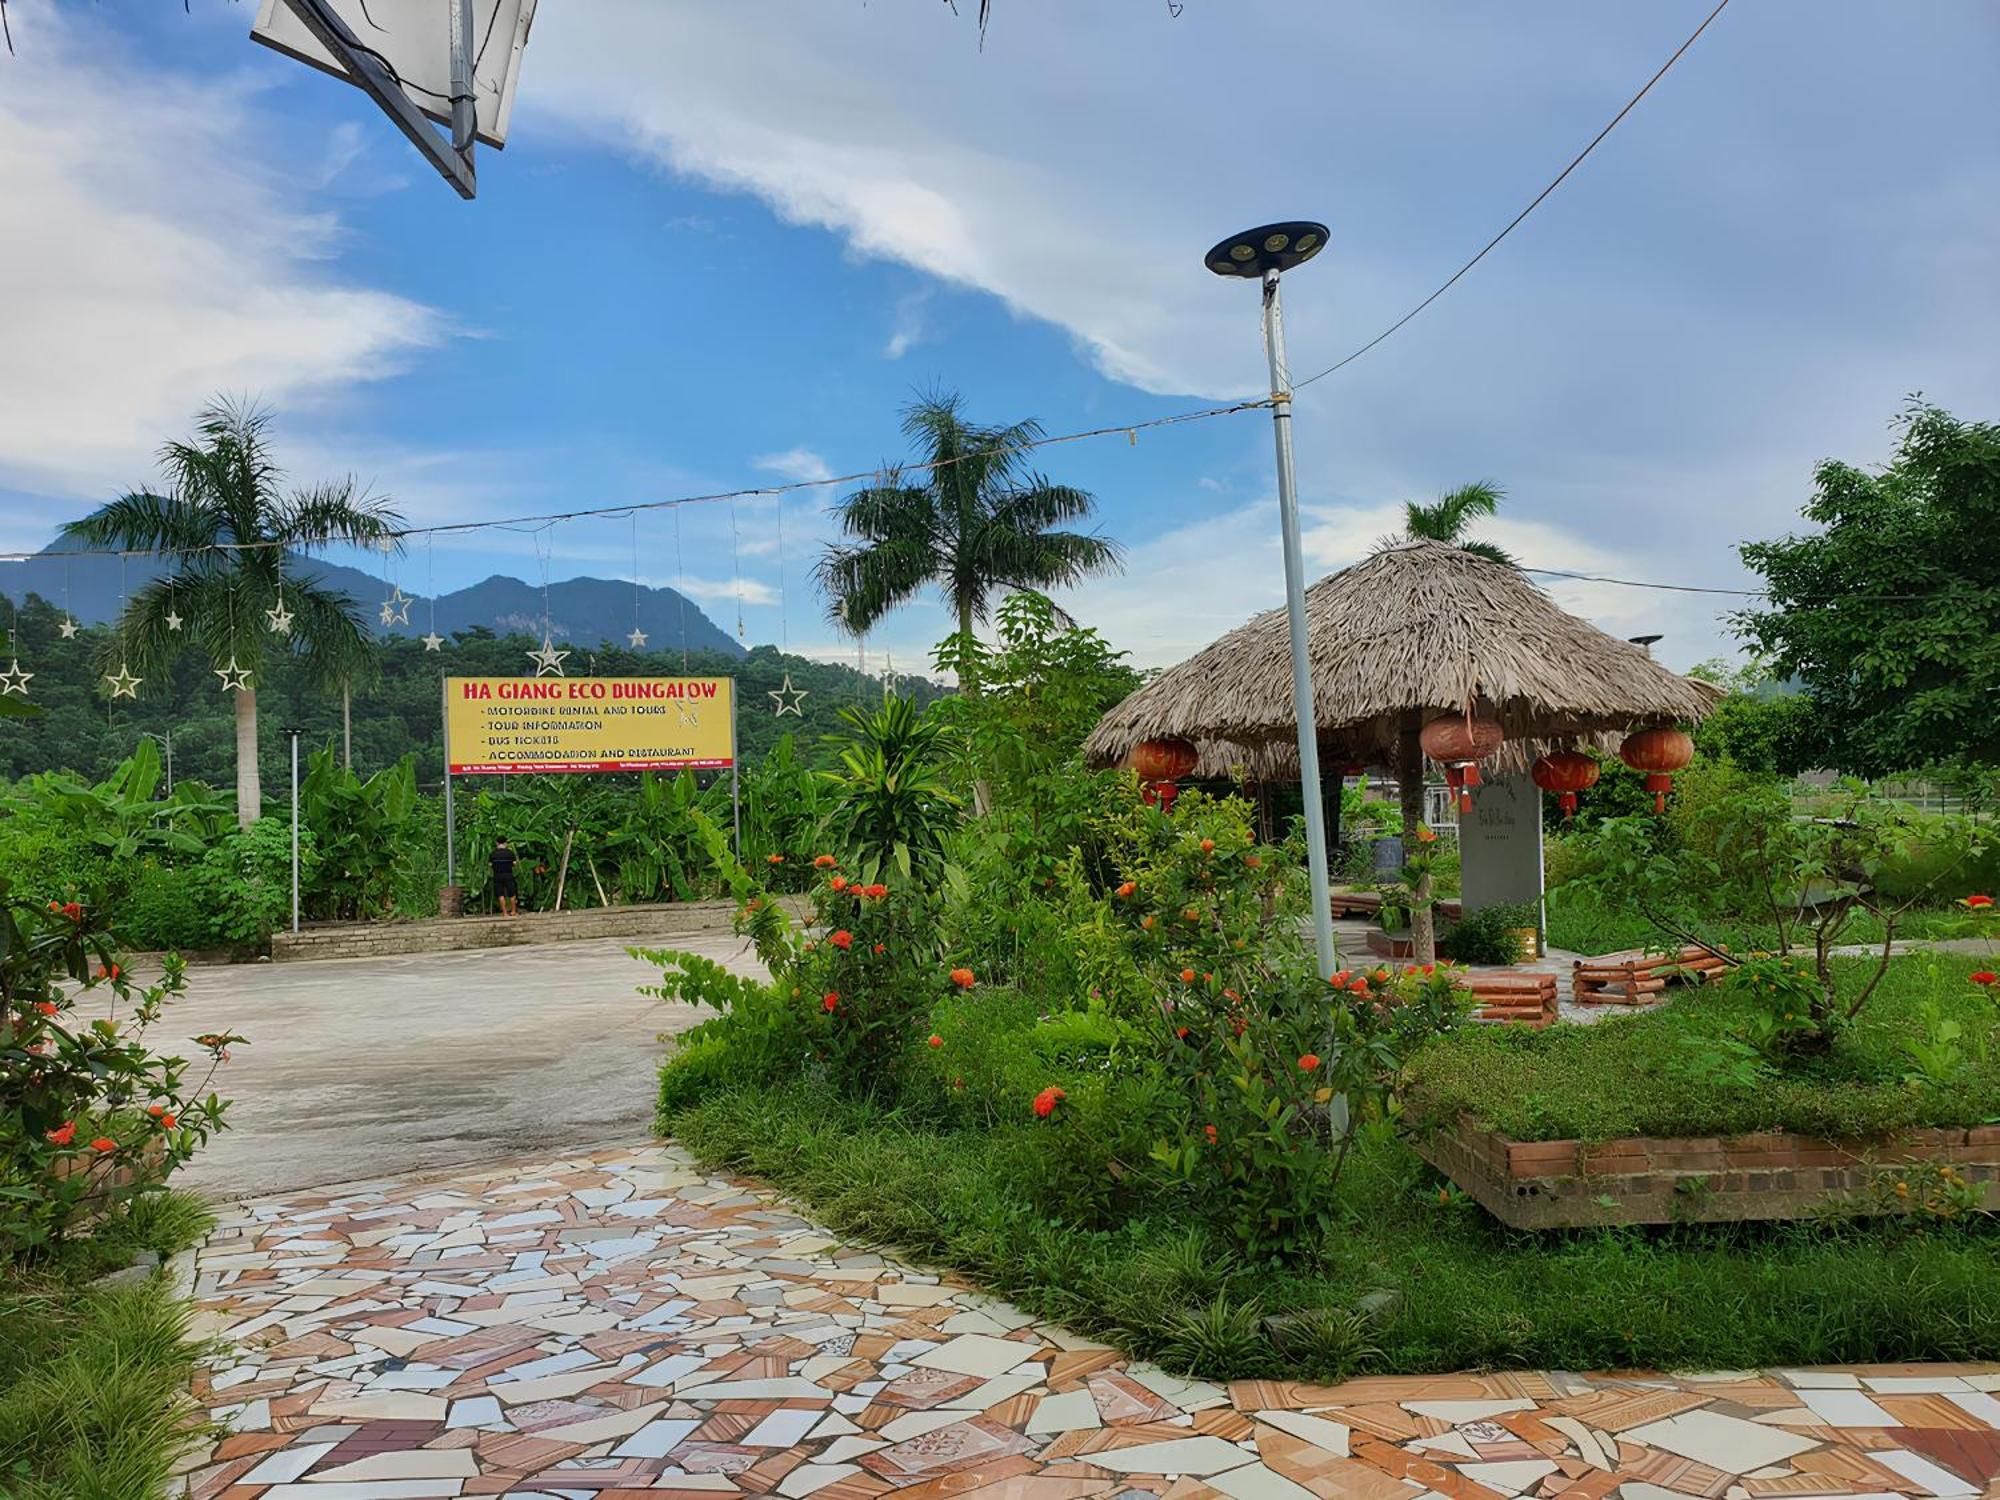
1181,1032
774,859
103,1145
1339,978
168,1120
1359,987
108,971
1191,915
46,1007
823,861
71,910
962,978
1047,1100
881,948
64,1133
1209,1131
1309,1063
1208,846
1187,976
830,1002
1252,861
936,1040
1146,922
1977,902
1984,976
838,883
843,940
1426,836
875,892
1125,891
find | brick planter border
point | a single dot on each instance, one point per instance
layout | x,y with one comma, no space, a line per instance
1693,1179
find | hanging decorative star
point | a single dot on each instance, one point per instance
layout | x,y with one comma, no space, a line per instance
433,641
637,638
67,629
173,620
280,618
234,678
396,608
690,716
122,683
14,680
787,699
548,661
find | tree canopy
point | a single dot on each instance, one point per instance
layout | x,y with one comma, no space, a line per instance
1889,613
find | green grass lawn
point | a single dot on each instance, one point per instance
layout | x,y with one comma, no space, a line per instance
1654,1073
1410,1280
93,1382
1580,921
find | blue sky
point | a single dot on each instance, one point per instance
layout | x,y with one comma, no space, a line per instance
727,242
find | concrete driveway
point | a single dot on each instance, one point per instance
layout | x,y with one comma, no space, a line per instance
373,1067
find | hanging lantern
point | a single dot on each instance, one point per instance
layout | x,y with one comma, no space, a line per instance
1160,763
1659,753
1459,742
1565,772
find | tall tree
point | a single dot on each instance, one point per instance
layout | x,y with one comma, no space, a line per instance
1890,613
973,520
1451,515
228,529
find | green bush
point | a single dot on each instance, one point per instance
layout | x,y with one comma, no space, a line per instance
1490,935
165,909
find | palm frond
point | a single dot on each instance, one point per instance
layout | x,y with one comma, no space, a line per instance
329,637
145,522
332,512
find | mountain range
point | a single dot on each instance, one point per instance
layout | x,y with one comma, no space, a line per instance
583,611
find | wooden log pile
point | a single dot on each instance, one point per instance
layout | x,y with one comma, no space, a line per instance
1510,997
1638,978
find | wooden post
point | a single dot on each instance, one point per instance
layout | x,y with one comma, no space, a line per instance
1410,790
562,874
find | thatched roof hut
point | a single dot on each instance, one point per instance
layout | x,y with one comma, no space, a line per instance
1417,630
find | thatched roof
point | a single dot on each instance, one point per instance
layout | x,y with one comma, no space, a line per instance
1418,629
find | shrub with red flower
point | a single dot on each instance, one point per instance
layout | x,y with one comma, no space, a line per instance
1977,903
963,978
842,939
72,1089
824,861
1046,1101
1984,976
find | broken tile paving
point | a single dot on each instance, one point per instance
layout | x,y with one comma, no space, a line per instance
622,1323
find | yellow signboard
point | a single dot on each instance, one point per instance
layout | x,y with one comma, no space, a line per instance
495,725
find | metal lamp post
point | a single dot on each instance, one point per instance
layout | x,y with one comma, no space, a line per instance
1263,254
294,735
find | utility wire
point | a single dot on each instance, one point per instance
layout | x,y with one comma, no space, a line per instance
871,475
1515,222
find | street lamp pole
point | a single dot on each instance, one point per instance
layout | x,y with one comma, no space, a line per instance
294,734
1266,253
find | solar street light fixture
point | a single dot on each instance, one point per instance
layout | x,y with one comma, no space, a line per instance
1265,254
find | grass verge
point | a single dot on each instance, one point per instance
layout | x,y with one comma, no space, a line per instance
1415,1279
1655,1073
93,1381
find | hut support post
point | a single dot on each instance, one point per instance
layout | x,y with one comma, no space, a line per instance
1295,607
1410,793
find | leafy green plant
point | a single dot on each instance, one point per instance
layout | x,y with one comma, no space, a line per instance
892,811
1490,935
359,827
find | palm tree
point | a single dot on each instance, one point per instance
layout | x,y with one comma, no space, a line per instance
1452,515
228,530
978,519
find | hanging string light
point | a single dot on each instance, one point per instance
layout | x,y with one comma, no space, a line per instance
234,678
277,617
431,639
121,682
680,588
736,568
14,680
68,627
548,661
637,638
784,614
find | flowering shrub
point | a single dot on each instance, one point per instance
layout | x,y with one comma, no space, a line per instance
1274,1066
90,1115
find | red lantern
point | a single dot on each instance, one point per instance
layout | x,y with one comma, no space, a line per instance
1163,760
1459,743
1565,772
1659,753
1160,763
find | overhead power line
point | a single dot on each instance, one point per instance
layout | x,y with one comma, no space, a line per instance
1515,222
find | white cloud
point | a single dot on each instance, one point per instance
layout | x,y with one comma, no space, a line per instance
153,262
911,327
800,464
724,590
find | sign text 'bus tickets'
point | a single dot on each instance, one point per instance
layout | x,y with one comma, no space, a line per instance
502,724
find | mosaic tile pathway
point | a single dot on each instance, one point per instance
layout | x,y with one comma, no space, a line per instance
621,1324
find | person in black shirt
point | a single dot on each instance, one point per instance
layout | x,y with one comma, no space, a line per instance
503,878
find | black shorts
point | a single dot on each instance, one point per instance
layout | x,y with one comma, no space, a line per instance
503,885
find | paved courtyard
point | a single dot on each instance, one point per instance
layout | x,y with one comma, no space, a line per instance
619,1323
357,1067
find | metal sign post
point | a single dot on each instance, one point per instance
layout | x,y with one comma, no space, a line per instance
450,823
295,827
735,777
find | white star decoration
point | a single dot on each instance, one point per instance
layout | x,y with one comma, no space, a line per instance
396,608
690,715
14,680
234,678
637,638
173,620
67,628
433,641
548,661
787,699
280,618
122,683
